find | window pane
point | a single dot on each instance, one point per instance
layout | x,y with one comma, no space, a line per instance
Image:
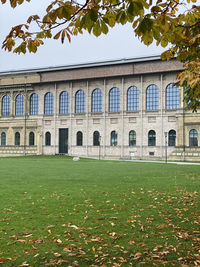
132,138
133,99
47,139
79,139
152,97
6,105
172,138
31,139
96,138
151,138
19,105
34,104
114,100
64,103
48,104
193,138
172,97
80,102
97,100
113,139
17,139
3,139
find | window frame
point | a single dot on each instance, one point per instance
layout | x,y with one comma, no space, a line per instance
172,138
48,139
96,101
79,138
114,100
151,138
96,138
19,105
152,98
5,108
172,97
3,139
80,102
48,103
113,138
64,103
132,142
34,104
193,138
17,138
31,138
133,99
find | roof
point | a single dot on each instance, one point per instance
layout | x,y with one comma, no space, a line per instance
82,65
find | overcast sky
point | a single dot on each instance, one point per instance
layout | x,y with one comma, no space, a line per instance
119,43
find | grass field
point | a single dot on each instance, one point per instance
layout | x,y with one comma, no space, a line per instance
57,212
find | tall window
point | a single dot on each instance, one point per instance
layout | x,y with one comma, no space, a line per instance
151,138
34,104
3,139
132,138
113,138
31,139
17,139
152,97
114,100
5,106
64,103
97,101
48,103
193,138
172,97
133,99
172,138
80,102
19,105
47,139
96,140
79,138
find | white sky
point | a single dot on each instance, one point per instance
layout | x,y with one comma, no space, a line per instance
119,43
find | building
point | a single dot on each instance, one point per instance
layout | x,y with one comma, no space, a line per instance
124,109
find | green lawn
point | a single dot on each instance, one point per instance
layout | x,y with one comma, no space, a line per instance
57,212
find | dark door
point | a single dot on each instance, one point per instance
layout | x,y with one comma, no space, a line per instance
63,141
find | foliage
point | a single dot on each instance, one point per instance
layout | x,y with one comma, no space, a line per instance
168,22
57,212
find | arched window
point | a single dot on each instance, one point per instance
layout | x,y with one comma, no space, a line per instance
132,138
19,105
96,138
79,138
152,97
172,97
193,138
17,139
34,104
5,106
114,100
133,99
97,101
172,138
31,139
80,102
47,139
3,139
113,138
48,103
64,103
152,138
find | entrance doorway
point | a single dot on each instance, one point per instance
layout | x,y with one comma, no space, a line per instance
63,141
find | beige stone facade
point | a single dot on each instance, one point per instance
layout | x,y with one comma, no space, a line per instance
63,128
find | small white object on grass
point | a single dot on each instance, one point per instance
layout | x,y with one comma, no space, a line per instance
76,158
